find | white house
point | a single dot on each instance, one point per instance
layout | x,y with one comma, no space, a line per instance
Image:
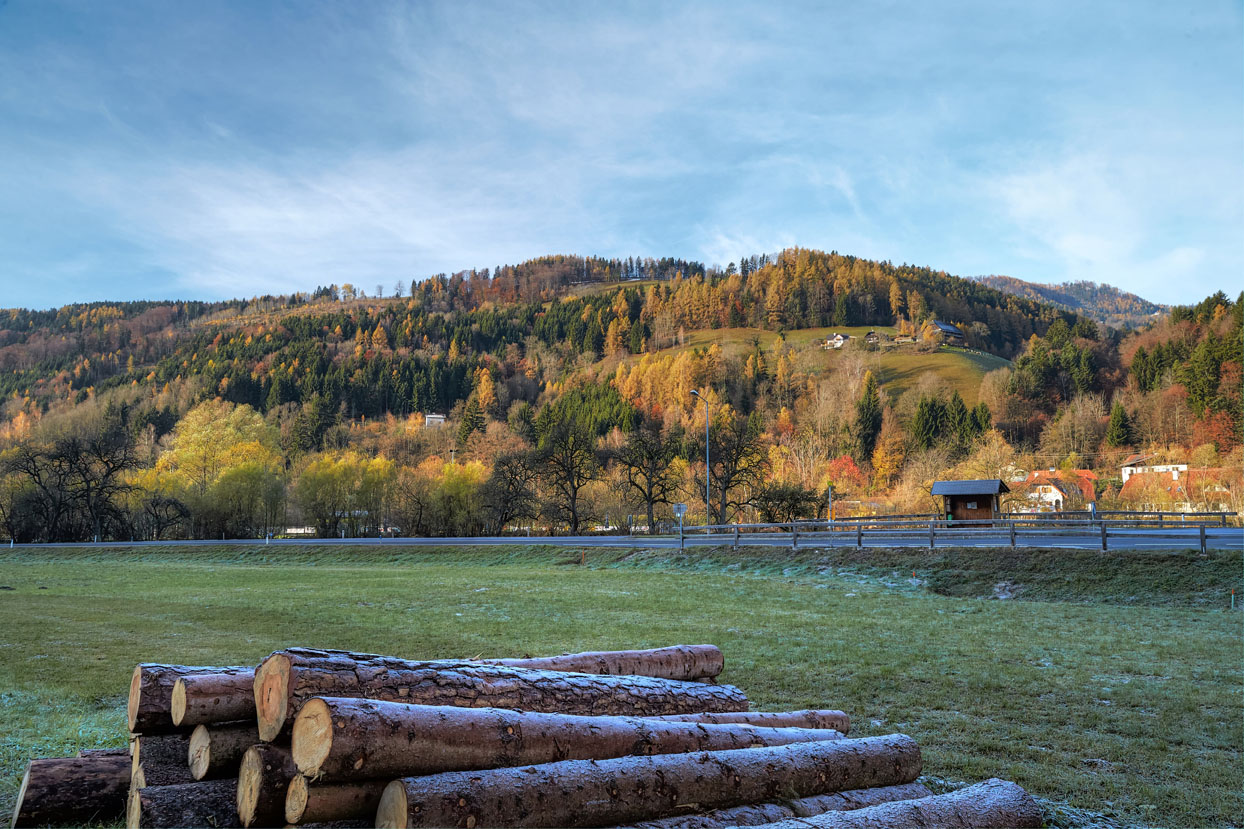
1136,465
836,340
433,421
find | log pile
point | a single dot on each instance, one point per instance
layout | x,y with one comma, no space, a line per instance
623,738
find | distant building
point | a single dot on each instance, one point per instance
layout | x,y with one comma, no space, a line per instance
872,338
1051,490
433,421
836,340
1182,490
950,333
1136,464
970,500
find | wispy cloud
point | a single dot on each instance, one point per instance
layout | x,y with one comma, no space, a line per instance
231,149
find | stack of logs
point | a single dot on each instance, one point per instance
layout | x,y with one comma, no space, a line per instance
622,738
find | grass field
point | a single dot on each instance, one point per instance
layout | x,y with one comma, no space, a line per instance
898,367
1113,683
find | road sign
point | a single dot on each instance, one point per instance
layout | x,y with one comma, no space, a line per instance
680,510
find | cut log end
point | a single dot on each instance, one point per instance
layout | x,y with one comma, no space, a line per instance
392,813
296,799
199,756
134,809
131,705
312,736
250,778
272,695
178,704
21,798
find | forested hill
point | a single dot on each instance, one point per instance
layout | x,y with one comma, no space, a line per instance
1104,303
397,354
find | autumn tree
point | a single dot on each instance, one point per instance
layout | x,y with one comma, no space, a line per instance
739,460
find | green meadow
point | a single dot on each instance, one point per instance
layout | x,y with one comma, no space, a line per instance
1110,686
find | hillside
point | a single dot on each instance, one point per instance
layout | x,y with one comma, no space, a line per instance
1101,302
562,386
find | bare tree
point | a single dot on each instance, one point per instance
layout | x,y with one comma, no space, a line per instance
510,491
646,460
567,460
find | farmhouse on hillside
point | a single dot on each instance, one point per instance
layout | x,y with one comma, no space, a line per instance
970,500
836,340
950,333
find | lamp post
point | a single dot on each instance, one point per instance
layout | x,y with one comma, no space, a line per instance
708,468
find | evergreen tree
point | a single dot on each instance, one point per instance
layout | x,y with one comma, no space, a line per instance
1119,432
929,423
867,419
472,420
958,420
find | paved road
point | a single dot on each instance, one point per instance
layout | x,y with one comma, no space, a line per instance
1119,539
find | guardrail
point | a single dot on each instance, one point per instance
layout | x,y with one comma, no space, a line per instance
1012,526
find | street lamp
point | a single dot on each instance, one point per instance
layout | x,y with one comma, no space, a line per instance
708,468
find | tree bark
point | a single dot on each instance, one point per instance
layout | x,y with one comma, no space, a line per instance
215,752
306,803
758,814
630,789
160,775
203,699
990,804
149,710
160,760
688,663
836,720
263,777
337,739
191,805
288,678
73,790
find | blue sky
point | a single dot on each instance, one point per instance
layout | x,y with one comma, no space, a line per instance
210,150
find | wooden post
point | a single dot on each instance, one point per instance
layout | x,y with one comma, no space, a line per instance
932,524
1202,539
1103,536
736,537
794,536
1012,535
859,536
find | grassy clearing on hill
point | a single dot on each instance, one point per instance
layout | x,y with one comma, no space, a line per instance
898,367
1114,687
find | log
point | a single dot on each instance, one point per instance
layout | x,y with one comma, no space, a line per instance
105,752
689,663
632,789
203,699
149,709
160,775
759,814
216,752
160,759
338,739
263,777
286,679
305,803
817,718
72,790
206,803
990,804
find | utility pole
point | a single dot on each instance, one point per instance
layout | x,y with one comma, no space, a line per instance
708,468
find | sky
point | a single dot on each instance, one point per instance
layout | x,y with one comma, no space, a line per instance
156,150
